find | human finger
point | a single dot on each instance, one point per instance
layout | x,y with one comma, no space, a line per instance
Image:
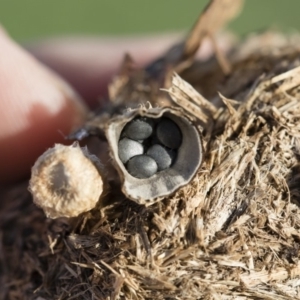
36,109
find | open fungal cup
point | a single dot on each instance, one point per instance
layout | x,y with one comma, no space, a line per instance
155,151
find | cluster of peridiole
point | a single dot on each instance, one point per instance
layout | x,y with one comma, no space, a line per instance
149,145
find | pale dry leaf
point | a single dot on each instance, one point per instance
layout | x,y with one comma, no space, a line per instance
213,18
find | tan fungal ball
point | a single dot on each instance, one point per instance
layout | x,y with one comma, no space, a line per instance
65,181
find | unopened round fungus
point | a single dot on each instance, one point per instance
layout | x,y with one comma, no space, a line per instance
66,181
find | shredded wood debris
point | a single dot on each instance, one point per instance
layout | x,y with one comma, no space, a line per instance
230,234
233,233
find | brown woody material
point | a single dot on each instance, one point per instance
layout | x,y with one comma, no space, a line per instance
232,233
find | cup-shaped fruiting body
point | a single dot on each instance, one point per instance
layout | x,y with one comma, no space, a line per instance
66,181
170,154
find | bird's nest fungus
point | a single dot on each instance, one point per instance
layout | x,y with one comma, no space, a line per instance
231,233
